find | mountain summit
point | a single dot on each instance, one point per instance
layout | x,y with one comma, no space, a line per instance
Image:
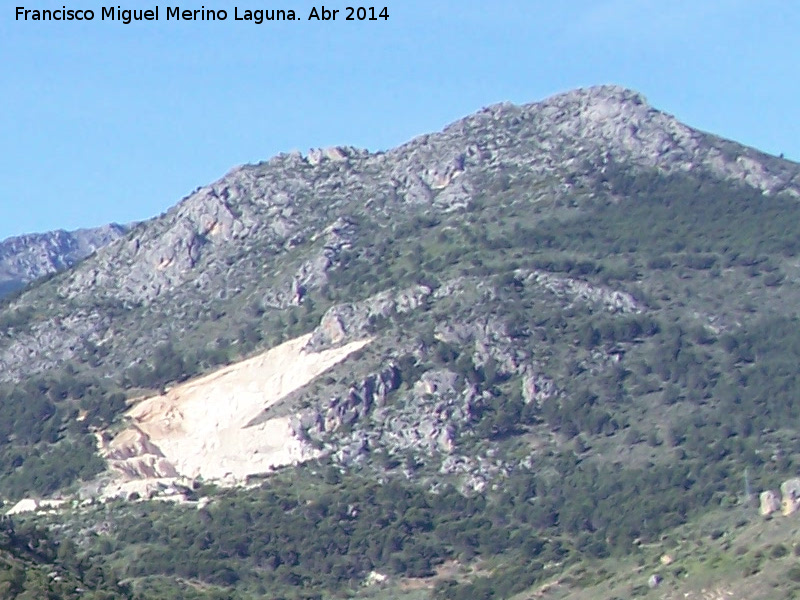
267,234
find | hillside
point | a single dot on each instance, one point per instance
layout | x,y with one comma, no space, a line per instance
581,318
34,565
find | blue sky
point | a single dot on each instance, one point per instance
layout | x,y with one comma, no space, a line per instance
104,122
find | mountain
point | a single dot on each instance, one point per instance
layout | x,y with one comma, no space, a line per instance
264,232
26,258
546,337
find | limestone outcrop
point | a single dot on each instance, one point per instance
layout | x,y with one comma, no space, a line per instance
26,258
788,502
770,503
351,321
790,496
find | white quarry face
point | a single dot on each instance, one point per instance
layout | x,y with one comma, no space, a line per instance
200,428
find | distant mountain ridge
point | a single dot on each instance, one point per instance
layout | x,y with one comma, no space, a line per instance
28,257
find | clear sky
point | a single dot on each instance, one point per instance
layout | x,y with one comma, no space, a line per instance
104,122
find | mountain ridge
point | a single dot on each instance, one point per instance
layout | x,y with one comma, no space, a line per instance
28,257
263,208
582,318
614,121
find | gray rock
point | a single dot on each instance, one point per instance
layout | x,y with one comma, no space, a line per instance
240,254
353,406
537,388
26,258
259,233
612,300
440,381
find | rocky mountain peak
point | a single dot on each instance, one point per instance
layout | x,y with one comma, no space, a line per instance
290,222
614,124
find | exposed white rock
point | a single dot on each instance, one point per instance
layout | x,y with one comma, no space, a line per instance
613,300
166,488
770,503
23,506
374,578
32,504
200,428
790,491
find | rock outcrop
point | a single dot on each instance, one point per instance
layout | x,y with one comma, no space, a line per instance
612,300
788,502
357,403
27,505
445,253
426,419
273,231
351,321
790,496
770,503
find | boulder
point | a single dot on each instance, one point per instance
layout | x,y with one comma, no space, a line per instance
770,503
537,388
790,492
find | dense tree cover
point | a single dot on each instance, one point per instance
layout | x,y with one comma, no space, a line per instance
659,215
299,536
45,425
763,387
34,566
644,221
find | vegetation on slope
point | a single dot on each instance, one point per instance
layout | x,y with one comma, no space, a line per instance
656,412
